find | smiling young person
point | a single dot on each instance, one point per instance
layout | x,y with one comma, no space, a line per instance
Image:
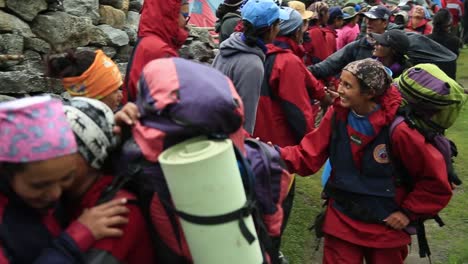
367,210
37,165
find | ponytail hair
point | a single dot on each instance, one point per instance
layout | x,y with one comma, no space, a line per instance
252,34
70,65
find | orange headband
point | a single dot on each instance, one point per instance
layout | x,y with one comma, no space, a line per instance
98,81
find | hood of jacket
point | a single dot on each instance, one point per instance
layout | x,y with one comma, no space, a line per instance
284,44
161,18
235,45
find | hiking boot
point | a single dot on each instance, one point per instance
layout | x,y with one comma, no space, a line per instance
282,258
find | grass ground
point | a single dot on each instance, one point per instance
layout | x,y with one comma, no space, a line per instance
448,244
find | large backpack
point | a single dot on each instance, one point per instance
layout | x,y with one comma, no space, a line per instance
425,50
431,104
199,101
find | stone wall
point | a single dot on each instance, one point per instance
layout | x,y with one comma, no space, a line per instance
32,29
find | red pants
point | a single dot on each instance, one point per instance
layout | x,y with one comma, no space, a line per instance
337,251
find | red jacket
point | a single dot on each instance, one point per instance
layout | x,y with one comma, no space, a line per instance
330,38
316,50
423,28
286,118
423,162
159,37
457,10
135,245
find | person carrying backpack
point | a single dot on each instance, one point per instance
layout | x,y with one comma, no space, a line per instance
228,15
368,210
169,113
285,112
242,55
37,165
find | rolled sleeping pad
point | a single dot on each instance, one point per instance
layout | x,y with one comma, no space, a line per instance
204,181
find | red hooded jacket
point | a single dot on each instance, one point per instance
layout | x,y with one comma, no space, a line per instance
316,50
159,36
424,163
330,37
286,118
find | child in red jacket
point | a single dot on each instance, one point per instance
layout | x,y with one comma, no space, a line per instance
92,123
367,212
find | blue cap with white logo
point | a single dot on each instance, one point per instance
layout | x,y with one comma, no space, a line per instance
263,13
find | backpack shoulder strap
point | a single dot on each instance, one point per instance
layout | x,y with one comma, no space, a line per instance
398,120
266,89
117,184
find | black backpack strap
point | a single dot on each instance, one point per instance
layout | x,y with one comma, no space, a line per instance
266,89
117,184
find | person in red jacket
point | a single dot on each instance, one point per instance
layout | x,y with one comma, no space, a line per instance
161,32
38,158
92,123
315,50
418,22
457,10
285,113
367,212
335,21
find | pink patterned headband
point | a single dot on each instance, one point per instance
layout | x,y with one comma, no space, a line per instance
34,129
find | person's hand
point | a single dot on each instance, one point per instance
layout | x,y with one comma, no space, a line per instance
127,116
332,94
397,220
102,220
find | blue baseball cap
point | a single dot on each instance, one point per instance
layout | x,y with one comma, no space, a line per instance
293,23
263,13
378,12
335,12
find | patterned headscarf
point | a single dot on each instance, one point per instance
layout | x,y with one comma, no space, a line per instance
34,129
98,81
92,122
372,73
319,8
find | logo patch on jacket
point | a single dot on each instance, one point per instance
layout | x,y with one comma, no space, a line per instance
380,154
